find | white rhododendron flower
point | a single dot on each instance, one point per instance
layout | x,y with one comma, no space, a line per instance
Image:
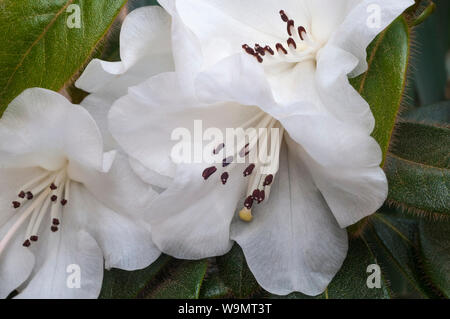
281,65
306,50
68,208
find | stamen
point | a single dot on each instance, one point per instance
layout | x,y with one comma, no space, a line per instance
224,177
208,172
268,180
227,161
22,194
4,242
53,187
26,243
16,204
248,202
262,196
281,49
34,238
64,202
30,195
248,171
283,15
54,229
54,198
290,27
291,43
301,30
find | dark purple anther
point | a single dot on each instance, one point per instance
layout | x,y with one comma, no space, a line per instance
248,202
22,194
301,30
208,172
53,187
262,196
34,238
290,25
248,171
224,178
26,243
291,43
268,180
255,194
16,204
30,195
281,48
283,15
227,161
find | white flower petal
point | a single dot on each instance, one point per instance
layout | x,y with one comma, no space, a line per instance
16,261
338,96
125,243
144,49
191,219
355,33
41,128
150,176
59,257
353,190
293,242
119,188
222,27
148,139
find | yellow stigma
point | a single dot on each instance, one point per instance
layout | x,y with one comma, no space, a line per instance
246,214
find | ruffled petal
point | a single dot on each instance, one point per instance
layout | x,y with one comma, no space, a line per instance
125,242
357,30
41,128
191,219
293,242
145,47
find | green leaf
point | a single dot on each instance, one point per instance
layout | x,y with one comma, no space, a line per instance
213,287
235,273
418,169
437,114
351,280
395,243
384,83
129,284
183,282
435,247
38,49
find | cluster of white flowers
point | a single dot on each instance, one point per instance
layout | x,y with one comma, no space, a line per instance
77,182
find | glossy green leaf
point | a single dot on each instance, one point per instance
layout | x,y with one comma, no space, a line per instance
435,247
383,84
418,169
184,281
129,284
39,49
235,273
